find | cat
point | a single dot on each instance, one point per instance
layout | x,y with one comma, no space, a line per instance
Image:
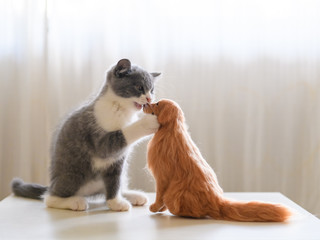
185,183
90,148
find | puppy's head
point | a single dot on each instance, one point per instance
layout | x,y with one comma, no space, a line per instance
166,110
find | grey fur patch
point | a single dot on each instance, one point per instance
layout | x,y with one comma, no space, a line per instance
112,178
78,141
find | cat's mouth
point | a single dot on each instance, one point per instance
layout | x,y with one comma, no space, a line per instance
138,106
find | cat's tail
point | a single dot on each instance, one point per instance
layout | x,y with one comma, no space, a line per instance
253,211
27,190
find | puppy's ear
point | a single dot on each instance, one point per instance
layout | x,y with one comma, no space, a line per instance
123,68
165,114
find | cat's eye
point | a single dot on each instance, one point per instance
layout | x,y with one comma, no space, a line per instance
157,104
152,113
140,88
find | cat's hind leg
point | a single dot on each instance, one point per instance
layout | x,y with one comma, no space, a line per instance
63,193
75,203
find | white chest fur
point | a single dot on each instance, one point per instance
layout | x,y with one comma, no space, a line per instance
91,188
99,164
113,112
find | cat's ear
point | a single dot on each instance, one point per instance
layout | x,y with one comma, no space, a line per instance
123,67
155,74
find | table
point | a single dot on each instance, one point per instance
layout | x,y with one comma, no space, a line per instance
22,218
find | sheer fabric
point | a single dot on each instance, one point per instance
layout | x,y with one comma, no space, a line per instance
246,74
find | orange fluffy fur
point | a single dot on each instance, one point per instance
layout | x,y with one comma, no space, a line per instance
186,184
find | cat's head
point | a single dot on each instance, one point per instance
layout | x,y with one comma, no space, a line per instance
132,83
166,110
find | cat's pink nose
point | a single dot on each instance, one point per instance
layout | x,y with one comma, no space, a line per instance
148,99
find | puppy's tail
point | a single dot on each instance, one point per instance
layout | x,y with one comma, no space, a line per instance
252,211
27,190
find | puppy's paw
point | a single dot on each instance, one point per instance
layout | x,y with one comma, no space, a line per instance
155,207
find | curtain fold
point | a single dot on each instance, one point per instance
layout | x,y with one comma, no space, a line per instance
246,74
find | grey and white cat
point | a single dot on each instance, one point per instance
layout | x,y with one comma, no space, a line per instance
89,151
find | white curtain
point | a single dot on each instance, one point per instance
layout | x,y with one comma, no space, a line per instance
246,73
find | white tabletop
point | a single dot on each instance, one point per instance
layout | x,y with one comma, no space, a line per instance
29,219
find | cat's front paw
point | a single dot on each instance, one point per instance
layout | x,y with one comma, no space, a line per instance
149,123
136,198
119,204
